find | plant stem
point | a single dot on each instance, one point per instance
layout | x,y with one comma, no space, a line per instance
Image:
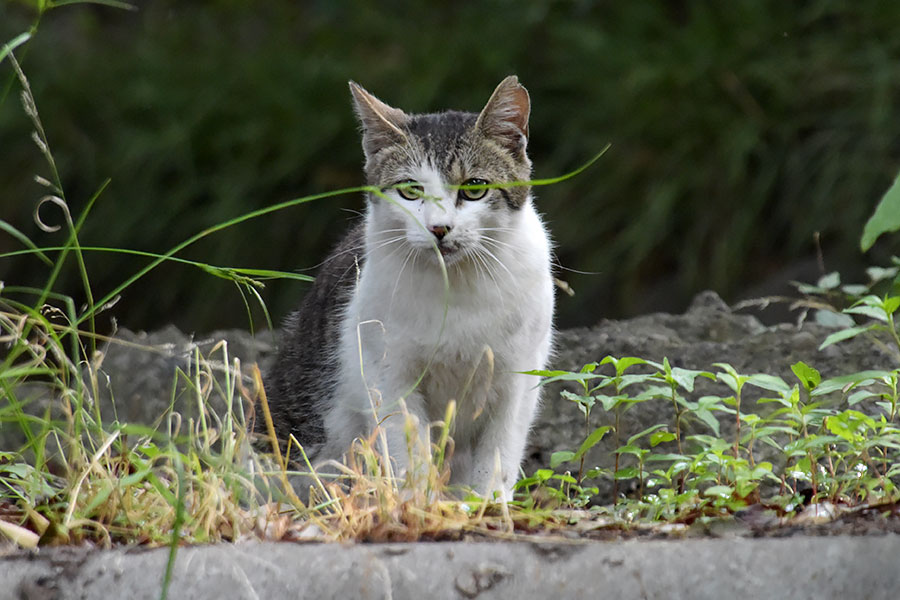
678,413
737,424
587,432
893,328
616,465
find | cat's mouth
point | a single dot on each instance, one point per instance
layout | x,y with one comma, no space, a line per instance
449,252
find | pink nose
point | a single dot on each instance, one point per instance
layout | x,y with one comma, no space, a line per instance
439,231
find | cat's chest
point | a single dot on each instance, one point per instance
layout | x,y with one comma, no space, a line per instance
420,308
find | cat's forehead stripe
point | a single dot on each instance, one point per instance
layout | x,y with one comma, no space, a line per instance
450,143
441,132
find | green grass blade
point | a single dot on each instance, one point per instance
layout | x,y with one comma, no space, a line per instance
223,272
224,225
176,528
25,241
112,3
12,44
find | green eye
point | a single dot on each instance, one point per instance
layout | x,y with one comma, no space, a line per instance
476,194
410,189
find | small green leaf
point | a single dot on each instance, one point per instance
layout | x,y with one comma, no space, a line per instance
622,364
707,417
667,457
564,477
659,437
626,473
873,312
886,217
857,397
843,381
647,431
591,440
587,401
845,334
805,288
808,376
769,382
557,458
838,427
854,289
543,474
830,281
877,274
891,304
834,320
721,491
685,377
610,402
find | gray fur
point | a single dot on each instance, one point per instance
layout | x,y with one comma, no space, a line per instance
300,382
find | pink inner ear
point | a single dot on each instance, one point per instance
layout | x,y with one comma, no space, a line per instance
520,102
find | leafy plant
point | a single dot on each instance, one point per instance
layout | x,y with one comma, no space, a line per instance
843,454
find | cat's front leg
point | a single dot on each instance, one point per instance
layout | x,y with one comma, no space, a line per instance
499,450
402,436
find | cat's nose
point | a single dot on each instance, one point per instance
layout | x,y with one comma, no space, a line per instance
439,231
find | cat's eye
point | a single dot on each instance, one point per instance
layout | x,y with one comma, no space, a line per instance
473,194
410,189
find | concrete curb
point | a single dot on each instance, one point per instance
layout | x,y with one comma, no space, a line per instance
798,567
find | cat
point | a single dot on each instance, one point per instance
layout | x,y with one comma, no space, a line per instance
387,326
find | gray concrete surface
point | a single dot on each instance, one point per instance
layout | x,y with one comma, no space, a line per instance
864,567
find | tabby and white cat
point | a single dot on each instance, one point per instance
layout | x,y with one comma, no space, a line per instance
380,324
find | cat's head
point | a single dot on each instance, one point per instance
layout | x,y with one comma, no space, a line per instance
429,156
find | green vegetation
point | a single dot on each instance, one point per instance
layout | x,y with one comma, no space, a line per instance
194,477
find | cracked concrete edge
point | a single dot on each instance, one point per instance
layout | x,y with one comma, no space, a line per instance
796,567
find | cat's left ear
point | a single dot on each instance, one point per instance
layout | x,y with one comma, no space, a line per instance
505,116
382,124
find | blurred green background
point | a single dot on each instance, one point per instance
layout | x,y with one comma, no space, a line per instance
739,129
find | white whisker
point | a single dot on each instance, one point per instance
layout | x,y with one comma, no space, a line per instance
497,260
497,243
409,254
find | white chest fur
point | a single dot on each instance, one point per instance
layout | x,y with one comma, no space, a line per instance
412,333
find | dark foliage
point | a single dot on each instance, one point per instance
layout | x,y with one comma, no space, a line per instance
739,129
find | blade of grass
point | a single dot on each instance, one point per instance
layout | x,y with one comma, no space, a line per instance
12,44
4,226
176,527
111,3
218,227
223,272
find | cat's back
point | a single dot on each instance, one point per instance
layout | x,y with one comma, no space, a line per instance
301,380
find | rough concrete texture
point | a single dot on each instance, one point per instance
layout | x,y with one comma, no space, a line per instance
817,568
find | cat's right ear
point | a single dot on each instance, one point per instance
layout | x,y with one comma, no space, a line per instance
505,116
382,125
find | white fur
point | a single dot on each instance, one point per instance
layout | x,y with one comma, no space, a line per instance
498,308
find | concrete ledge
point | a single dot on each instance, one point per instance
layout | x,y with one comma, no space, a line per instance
797,568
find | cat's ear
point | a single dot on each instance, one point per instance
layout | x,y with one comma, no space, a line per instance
382,124
505,116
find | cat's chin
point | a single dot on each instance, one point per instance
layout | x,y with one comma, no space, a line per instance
450,255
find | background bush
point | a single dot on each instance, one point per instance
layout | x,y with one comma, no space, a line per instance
738,130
